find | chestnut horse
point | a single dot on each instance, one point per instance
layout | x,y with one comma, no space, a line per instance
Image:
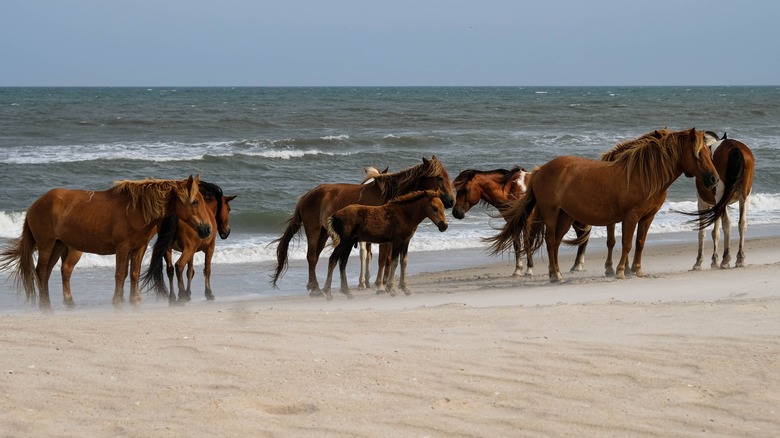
394,223
498,188
736,165
177,235
122,220
316,206
603,193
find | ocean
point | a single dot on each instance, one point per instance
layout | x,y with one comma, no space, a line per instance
271,145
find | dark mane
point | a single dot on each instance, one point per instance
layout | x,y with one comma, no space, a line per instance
468,174
212,191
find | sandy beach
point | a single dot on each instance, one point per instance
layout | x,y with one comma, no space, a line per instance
473,352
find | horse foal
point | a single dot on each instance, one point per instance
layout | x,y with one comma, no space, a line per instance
394,222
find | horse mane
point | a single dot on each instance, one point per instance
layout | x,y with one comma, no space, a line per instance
651,156
151,196
468,174
414,196
212,191
390,184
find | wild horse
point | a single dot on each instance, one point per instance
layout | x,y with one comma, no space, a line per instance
176,235
603,193
736,166
316,206
122,220
500,187
394,223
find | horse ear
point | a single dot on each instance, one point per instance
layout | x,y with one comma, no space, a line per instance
425,160
724,136
229,198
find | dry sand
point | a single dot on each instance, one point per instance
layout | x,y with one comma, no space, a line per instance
471,353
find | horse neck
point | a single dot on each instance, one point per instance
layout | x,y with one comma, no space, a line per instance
415,211
492,190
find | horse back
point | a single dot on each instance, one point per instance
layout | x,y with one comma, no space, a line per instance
735,164
318,204
89,221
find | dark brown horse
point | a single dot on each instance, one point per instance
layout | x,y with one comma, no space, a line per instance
177,235
605,192
316,206
499,188
736,166
394,223
121,220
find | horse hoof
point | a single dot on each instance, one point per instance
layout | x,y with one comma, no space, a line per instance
381,291
315,293
407,292
69,303
696,268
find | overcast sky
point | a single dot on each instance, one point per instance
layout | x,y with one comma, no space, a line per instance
388,42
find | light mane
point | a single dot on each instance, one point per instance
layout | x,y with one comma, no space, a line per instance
652,157
151,196
391,184
414,197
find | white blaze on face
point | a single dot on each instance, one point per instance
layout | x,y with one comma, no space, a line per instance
520,181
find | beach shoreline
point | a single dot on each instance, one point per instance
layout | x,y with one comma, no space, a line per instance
472,352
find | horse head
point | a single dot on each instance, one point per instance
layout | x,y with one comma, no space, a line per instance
192,208
435,210
696,157
439,179
466,195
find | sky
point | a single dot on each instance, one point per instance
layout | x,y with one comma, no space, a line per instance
388,42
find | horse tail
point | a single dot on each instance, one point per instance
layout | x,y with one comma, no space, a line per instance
17,257
585,229
335,229
153,277
520,221
735,167
291,228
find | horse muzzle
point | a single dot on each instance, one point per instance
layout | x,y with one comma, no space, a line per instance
224,234
458,212
447,200
442,226
710,180
203,230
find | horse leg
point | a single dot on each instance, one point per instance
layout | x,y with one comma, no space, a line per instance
207,271
365,265
190,276
641,235
579,261
551,238
402,276
169,268
726,221
391,276
46,261
119,276
629,225
343,271
383,267
702,236
70,258
332,262
312,257
743,206
519,261
609,271
136,259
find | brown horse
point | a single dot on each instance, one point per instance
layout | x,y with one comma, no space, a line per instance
499,188
316,206
394,223
177,235
603,193
736,165
65,223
